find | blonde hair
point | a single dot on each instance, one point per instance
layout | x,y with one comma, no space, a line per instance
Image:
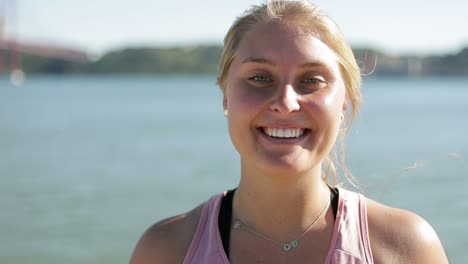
312,19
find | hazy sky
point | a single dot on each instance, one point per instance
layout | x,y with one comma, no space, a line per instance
99,25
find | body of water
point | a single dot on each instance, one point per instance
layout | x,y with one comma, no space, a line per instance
87,163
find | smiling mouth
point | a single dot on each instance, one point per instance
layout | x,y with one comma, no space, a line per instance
284,133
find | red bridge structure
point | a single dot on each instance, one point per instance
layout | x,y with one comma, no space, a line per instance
12,50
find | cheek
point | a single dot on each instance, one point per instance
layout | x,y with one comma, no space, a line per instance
326,104
243,97
240,106
335,101
325,109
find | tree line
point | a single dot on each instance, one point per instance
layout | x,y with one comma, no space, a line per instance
203,59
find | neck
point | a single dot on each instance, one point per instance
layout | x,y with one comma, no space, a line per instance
281,206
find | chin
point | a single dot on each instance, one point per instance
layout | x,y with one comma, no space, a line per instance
287,165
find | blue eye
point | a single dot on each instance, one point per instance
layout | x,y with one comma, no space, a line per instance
260,78
310,85
312,80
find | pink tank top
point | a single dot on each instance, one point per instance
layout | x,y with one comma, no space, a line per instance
350,241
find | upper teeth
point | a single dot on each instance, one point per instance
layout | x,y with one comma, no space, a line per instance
284,132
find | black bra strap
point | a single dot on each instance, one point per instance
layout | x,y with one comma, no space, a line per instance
334,200
224,220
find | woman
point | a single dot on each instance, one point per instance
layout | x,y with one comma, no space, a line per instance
290,82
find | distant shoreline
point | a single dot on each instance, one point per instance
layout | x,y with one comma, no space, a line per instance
203,59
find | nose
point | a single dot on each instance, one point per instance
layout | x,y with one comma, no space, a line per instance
285,100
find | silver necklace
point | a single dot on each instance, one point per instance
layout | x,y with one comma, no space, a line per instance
286,245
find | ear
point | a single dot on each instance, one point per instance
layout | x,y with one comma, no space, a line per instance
343,109
224,102
345,105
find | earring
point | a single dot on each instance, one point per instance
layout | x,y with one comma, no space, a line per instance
342,116
225,112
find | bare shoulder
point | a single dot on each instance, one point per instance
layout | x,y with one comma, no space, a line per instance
168,240
400,236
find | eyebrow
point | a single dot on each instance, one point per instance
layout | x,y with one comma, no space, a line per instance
313,64
258,60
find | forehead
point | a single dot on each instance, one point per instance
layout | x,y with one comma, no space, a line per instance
285,44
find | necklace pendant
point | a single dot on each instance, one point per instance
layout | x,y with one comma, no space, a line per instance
237,224
290,245
293,244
